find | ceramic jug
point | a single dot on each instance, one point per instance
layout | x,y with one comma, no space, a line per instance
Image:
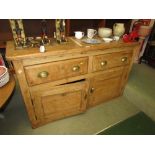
118,29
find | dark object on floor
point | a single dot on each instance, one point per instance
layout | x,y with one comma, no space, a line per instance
139,124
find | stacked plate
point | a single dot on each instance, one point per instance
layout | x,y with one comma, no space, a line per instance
91,41
4,75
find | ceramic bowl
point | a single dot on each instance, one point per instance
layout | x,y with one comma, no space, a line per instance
116,38
107,40
104,32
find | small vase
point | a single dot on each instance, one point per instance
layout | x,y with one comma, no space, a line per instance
118,29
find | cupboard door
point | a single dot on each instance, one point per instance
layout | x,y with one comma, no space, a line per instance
102,89
61,101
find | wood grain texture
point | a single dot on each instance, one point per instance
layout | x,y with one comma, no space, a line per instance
102,62
67,48
60,101
6,91
56,70
103,89
70,72
25,91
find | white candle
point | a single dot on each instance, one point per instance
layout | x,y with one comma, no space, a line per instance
42,48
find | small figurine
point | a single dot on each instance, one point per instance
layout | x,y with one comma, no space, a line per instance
42,47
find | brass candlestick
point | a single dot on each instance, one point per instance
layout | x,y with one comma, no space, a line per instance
18,32
60,31
44,32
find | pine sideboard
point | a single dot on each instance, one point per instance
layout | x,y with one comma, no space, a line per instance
70,78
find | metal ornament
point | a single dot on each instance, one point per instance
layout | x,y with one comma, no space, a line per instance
18,32
60,30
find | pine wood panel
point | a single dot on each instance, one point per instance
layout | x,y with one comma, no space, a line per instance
56,70
61,101
67,48
64,92
102,62
71,55
104,89
6,91
25,92
109,73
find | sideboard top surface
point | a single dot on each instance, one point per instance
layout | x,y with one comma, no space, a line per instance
72,46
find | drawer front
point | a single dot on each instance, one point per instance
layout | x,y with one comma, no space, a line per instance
102,62
53,71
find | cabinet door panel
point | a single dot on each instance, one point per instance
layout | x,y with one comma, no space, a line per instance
104,89
61,101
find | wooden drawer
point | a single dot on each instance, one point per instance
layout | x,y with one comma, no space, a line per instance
43,73
102,62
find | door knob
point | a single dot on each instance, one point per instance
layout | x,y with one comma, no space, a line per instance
124,59
92,90
103,63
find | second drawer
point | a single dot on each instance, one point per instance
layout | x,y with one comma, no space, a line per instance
53,71
102,62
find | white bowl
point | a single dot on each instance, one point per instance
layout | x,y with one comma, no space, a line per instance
104,32
116,38
107,40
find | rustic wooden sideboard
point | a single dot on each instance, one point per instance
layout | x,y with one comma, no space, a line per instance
70,78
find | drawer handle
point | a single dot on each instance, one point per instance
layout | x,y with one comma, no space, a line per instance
103,63
124,59
92,90
43,74
76,68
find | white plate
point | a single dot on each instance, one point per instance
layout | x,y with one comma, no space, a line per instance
107,40
91,41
